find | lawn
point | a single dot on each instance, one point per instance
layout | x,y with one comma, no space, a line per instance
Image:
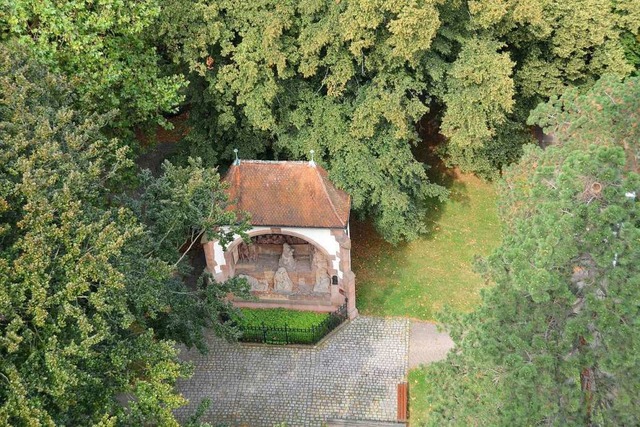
418,279
418,405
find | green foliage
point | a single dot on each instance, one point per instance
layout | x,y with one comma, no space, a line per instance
281,78
69,341
350,80
607,114
278,317
631,44
88,293
551,44
183,206
194,420
489,158
479,94
180,208
281,326
104,47
479,101
553,342
470,383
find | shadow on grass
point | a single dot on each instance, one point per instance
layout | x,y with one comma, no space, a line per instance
368,242
426,151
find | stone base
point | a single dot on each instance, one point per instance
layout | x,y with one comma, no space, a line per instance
288,304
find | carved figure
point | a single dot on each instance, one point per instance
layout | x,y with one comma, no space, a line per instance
282,282
243,252
287,259
253,252
256,285
322,273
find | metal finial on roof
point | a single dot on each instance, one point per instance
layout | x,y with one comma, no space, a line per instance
311,162
237,161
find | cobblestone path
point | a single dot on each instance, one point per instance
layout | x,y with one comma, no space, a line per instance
352,375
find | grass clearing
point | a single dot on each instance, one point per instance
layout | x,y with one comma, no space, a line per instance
418,405
419,278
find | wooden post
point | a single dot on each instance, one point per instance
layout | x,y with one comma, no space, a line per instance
403,401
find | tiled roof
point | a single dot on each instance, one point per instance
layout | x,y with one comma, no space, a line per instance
293,194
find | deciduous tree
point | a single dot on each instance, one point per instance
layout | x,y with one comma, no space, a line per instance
107,50
282,78
350,80
89,304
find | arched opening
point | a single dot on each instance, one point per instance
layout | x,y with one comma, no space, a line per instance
282,266
257,233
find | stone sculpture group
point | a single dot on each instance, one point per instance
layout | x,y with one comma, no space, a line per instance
256,285
282,283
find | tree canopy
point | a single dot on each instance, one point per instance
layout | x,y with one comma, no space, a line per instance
93,294
552,342
106,49
350,80
347,79
91,299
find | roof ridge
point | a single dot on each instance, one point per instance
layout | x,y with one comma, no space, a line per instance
324,187
236,177
272,161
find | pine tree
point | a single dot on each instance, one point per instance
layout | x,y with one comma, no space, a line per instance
555,341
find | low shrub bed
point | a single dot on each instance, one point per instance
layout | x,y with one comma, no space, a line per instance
279,317
282,326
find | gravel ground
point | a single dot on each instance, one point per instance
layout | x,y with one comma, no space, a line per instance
426,344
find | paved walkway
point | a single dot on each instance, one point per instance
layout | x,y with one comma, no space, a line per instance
352,375
427,344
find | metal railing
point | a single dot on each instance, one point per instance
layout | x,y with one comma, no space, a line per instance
286,335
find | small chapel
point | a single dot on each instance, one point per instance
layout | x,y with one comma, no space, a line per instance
299,251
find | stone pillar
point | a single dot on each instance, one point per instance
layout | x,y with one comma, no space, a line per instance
210,257
345,249
212,265
348,277
349,283
345,254
336,297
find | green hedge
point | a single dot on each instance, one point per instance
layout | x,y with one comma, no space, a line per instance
279,317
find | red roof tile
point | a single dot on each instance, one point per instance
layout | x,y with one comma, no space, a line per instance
292,194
